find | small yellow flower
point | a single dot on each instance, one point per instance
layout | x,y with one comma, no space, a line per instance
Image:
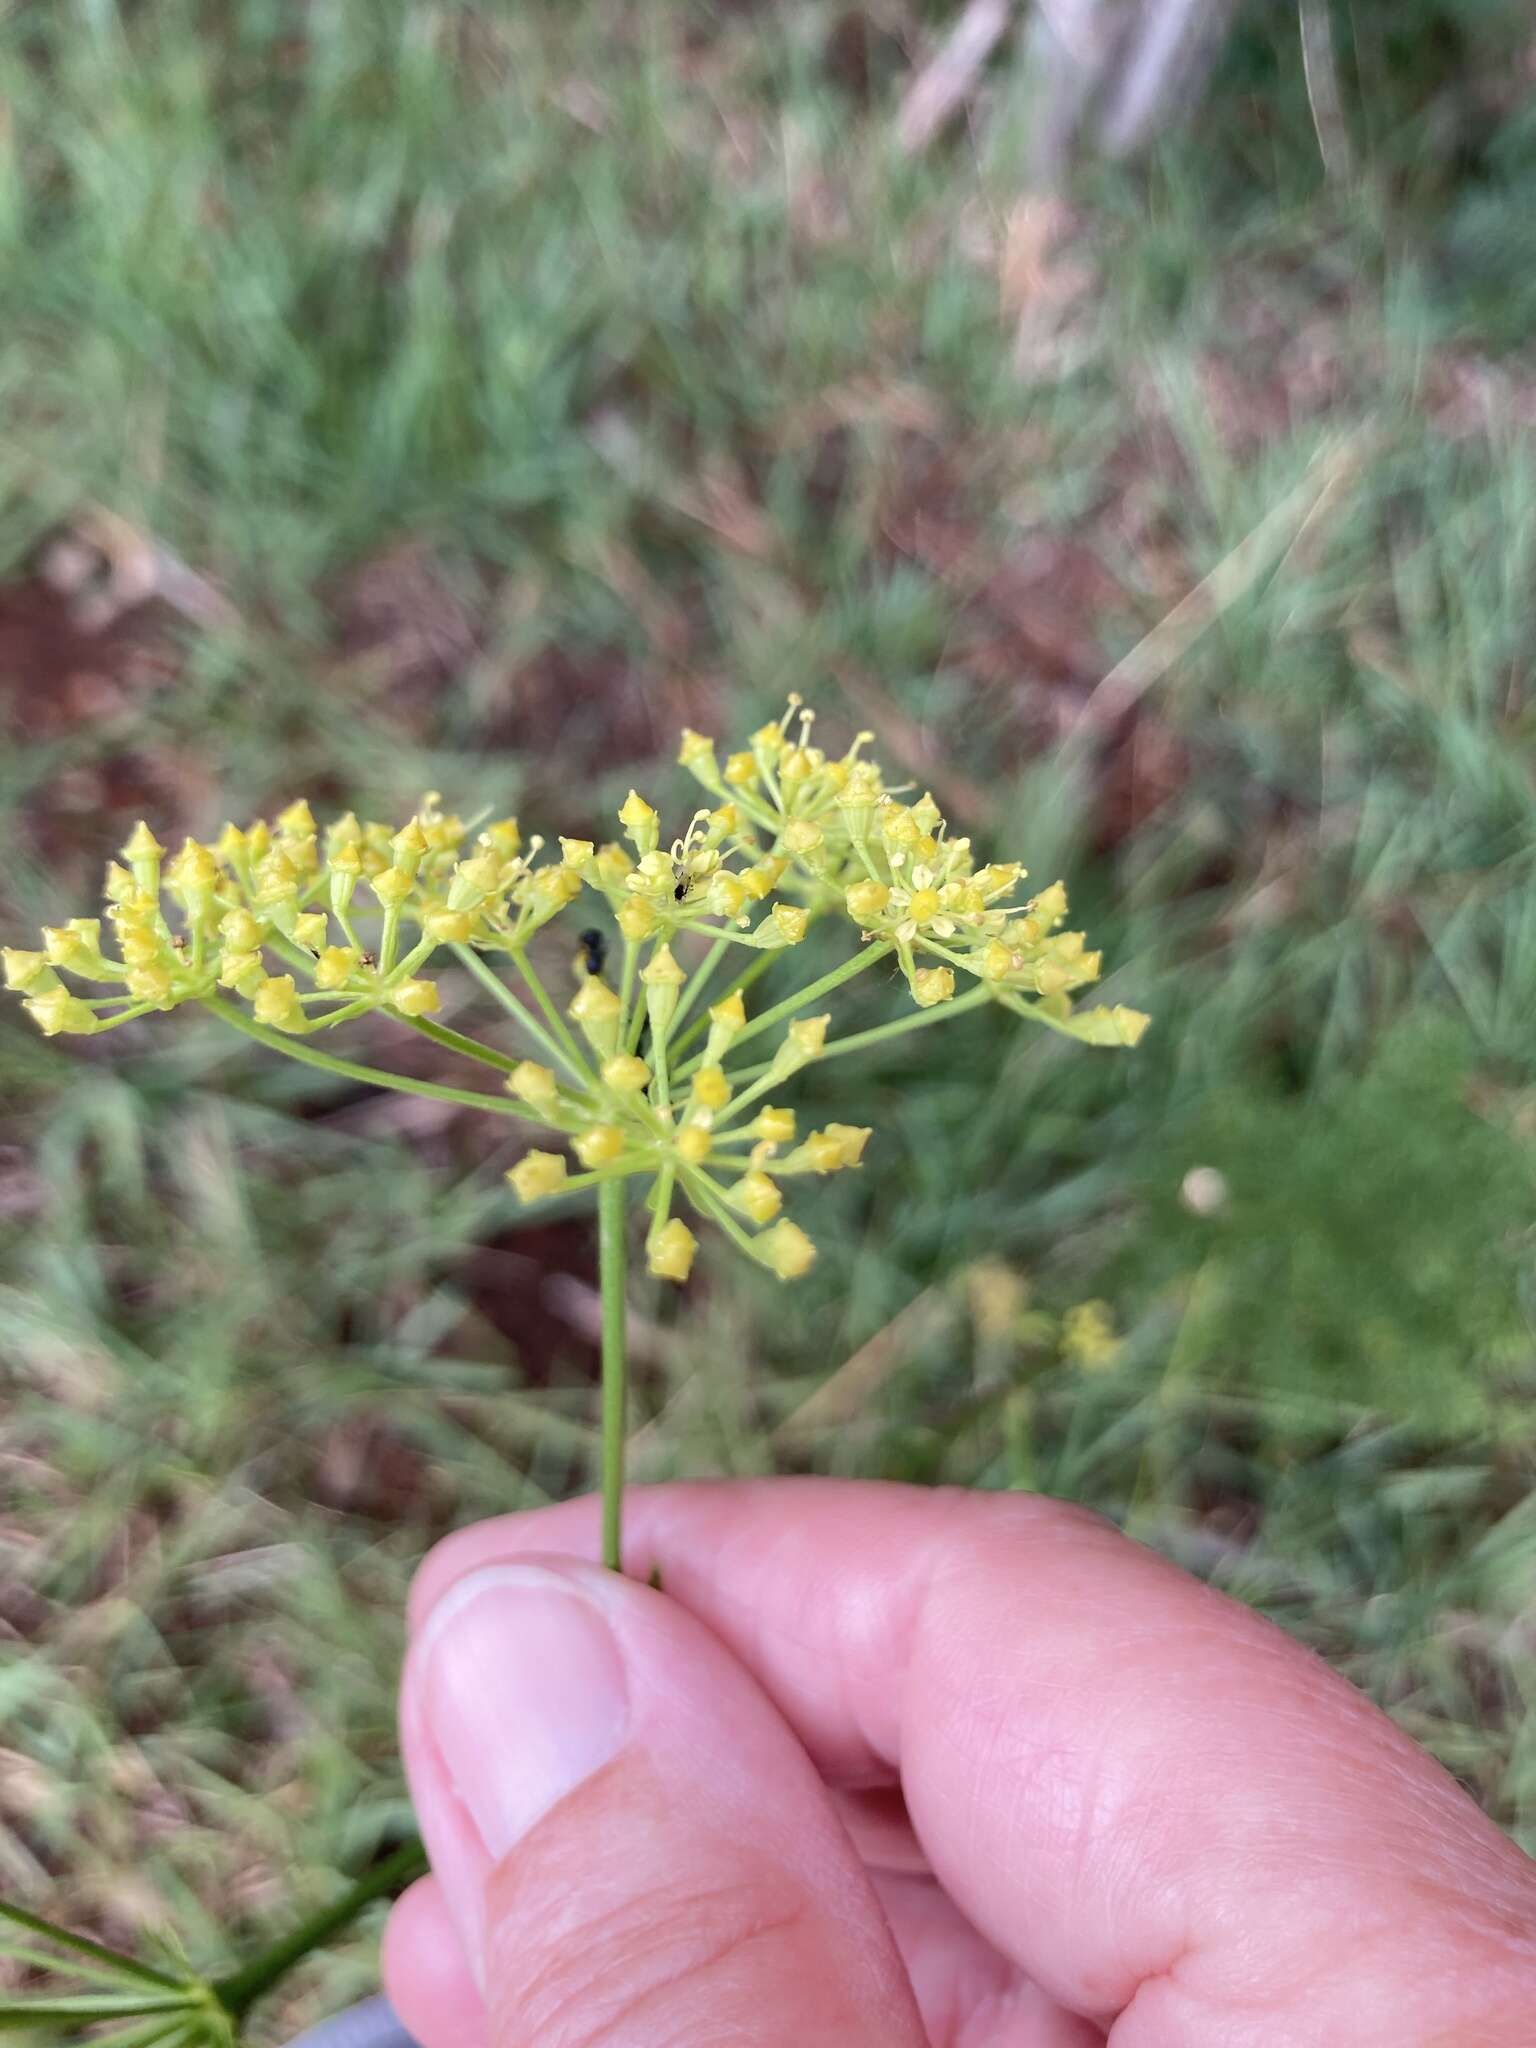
809,1035
448,927
711,1090
775,1126
242,931
309,930
802,837
408,846
663,980
596,1009
298,821
599,1145
27,970
139,948
866,900
391,887
728,895
55,1010
142,845
790,923
637,919
640,822
150,985
740,770
244,972
756,1196
575,853
695,751
786,1249
333,967
503,838
1088,1336
534,1085
996,961
416,998
728,1016
1111,1026
276,1002
626,1074
693,1144
64,947
831,1149
670,1253
931,985
537,1174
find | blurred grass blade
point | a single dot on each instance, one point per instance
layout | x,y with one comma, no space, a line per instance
105,1960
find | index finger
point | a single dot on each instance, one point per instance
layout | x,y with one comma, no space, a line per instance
1152,1799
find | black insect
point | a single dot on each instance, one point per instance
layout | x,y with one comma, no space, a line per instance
594,950
682,881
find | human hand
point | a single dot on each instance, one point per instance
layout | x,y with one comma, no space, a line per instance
887,1766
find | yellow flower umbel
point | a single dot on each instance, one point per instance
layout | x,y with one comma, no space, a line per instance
656,1068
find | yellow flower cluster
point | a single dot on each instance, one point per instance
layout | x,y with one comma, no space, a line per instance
302,931
838,835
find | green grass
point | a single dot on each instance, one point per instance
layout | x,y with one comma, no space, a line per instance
531,380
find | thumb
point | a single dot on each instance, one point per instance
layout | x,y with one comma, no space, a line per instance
632,1846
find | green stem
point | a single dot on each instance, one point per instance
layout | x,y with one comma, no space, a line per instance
349,1070
107,1958
540,994
877,1034
823,986
701,974
239,1992
610,1263
491,980
741,984
455,1041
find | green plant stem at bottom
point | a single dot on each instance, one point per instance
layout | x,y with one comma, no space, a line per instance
615,1364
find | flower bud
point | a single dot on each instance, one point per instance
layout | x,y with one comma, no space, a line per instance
787,923
640,822
693,1144
663,980
599,1145
28,971
333,967
932,985
309,931
54,1010
243,972
448,927
866,900
626,1074
537,1174
786,1250
710,1090
756,1196
534,1085
577,853
727,1019
740,771
276,1002
596,1009
775,1126
143,854
696,753
416,998
242,931
637,919
670,1253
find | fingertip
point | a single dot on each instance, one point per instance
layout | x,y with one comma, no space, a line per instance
426,1974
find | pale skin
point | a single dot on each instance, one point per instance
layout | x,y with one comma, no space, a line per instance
923,1770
